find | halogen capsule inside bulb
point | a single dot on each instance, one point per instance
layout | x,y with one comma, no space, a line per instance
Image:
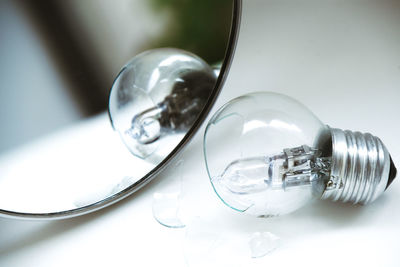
157,97
146,127
266,154
296,167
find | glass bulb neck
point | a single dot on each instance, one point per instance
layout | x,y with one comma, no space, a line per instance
360,167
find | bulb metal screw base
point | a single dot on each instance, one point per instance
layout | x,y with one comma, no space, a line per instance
360,167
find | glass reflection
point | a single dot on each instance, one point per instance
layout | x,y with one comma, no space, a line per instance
59,154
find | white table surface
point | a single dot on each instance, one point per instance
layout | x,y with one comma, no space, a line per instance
342,60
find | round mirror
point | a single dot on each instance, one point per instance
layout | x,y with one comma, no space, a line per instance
59,154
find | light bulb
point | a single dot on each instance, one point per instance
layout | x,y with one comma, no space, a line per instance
156,98
267,154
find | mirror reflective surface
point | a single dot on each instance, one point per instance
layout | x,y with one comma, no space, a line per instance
59,155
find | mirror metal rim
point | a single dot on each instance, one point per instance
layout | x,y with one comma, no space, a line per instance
229,54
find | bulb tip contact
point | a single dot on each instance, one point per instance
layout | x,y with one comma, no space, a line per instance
392,173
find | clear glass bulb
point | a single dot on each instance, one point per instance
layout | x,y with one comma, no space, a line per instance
157,97
267,154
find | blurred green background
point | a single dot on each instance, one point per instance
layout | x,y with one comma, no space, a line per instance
201,27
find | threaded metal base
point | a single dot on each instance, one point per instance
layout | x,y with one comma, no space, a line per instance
359,168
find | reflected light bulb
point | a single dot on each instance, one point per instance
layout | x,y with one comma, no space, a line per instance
156,98
267,154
